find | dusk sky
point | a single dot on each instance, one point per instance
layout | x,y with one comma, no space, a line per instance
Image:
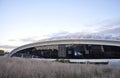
26,21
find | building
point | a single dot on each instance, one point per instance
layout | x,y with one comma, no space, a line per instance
70,48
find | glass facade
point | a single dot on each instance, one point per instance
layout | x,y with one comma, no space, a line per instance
71,51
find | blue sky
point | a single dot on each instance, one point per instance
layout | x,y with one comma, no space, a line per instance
23,21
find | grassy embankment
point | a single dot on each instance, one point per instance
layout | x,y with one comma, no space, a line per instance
28,68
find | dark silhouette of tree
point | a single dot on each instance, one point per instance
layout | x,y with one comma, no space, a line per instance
2,52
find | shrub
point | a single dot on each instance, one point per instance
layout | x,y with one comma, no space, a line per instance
63,60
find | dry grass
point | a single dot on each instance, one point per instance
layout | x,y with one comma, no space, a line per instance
28,68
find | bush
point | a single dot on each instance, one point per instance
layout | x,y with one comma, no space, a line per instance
63,60
1,52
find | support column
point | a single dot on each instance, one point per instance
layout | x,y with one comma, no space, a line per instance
61,51
86,49
102,48
21,55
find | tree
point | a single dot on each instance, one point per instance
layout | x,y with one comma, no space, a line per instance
1,52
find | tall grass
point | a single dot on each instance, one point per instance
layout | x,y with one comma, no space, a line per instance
28,68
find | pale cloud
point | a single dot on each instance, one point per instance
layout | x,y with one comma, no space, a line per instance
7,48
107,30
110,29
60,33
30,39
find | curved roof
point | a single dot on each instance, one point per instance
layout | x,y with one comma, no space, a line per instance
68,41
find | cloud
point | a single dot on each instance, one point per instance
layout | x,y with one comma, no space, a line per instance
109,26
26,39
60,33
112,28
32,38
8,46
29,39
108,30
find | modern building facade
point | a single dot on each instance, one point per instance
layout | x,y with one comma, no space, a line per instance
70,49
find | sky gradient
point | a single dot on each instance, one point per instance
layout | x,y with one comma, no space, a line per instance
25,21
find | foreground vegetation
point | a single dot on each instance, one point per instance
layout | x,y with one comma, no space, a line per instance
29,68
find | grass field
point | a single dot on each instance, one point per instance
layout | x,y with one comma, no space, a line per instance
28,68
